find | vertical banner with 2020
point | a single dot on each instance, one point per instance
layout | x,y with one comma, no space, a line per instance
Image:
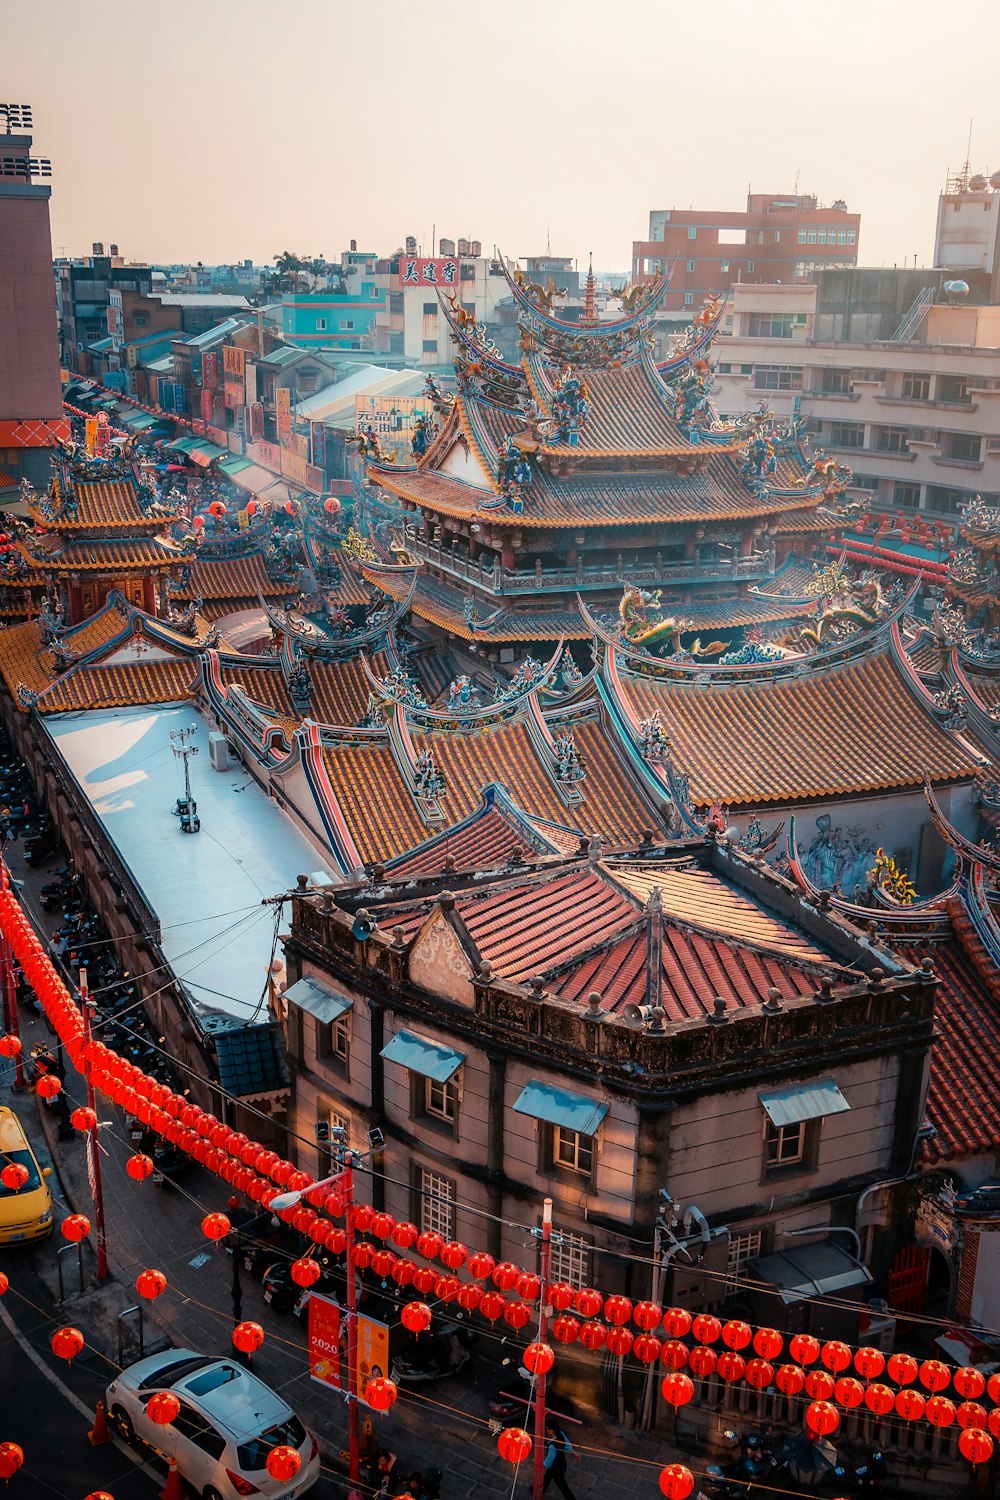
324,1340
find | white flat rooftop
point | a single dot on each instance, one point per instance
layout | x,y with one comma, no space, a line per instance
206,888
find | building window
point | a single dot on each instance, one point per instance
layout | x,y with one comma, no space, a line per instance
836,382
724,266
572,1150
688,299
953,388
430,309
916,387
865,482
892,440
692,233
347,323
821,236
429,346
329,1120
436,1209
851,236
841,236
750,267
811,237
847,434
142,320
777,236
785,1144
333,1043
802,236
320,324
777,378
440,1100
743,1248
907,496
965,447
947,501
770,326
570,1259
690,266
873,377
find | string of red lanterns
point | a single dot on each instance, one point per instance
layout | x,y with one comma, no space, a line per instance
261,1174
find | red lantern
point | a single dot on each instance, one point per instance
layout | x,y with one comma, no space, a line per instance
970,1414
150,1284
336,1240
939,1411
736,1335
565,1330
11,1459
790,1379
730,1366
248,1337
702,1361
619,1341
446,1288
618,1310
283,1462
481,1265
804,1349
768,1343
361,1257
516,1315
198,522
969,1383
491,1305
529,1287
706,1328
67,1342
162,1408
429,1244
331,506
822,1418
902,1368
539,1358
382,1263
993,1388
514,1445
454,1255
880,1400
405,1235
587,1302
215,1226
4,1283
869,1363
380,1393
677,1388
848,1392
647,1315
424,1279
646,1348
305,1272
677,1322
836,1356
593,1335
469,1296
975,1445
910,1404
416,1317
993,1421
402,1271
676,1482
83,1118
75,1228
383,1225
674,1354
10,1046
819,1385
934,1376
14,1176
217,508
139,1167
759,1373
505,1276
363,1216
48,1086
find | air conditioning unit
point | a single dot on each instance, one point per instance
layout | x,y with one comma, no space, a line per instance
218,750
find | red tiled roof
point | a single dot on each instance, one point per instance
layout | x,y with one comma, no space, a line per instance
120,686
340,690
236,578
262,684
527,928
482,844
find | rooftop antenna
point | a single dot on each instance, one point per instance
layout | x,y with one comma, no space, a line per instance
797,171
185,808
548,242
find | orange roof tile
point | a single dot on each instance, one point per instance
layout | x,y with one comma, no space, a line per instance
340,690
234,578
130,555
23,659
120,686
380,812
263,685
106,505
852,728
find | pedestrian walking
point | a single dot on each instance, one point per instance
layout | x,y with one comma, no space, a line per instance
557,1449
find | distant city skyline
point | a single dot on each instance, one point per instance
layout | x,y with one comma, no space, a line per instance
220,132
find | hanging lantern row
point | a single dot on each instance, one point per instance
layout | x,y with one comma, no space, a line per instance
261,1174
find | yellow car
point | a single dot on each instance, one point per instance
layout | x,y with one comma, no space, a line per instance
26,1214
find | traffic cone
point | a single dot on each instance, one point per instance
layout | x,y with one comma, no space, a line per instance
173,1490
100,1432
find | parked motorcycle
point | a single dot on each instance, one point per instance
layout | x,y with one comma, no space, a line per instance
445,1354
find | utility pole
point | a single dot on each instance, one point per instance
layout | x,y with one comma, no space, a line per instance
182,743
93,1148
543,1328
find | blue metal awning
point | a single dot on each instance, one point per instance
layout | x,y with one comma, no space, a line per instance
560,1107
318,999
415,1052
805,1101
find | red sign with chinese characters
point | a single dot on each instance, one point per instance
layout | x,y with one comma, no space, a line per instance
439,270
324,1340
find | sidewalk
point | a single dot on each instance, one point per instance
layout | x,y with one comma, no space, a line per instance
149,1226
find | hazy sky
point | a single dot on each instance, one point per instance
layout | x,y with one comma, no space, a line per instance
214,130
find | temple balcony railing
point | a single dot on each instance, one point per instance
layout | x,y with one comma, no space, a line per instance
508,582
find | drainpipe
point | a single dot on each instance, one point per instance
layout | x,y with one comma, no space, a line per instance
830,1229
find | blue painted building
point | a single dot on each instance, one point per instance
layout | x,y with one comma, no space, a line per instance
332,320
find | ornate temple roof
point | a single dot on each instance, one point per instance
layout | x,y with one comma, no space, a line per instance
99,507
142,554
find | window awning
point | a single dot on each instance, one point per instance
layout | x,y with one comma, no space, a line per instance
183,444
205,453
138,420
233,464
560,1107
318,999
253,477
816,1270
806,1101
415,1052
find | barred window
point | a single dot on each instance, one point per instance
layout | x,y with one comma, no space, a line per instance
437,1203
743,1248
570,1259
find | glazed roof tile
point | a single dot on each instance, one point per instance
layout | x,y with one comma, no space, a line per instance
441,604
484,843
629,412
986,686
120,686
528,929
88,556
851,728
23,658
379,810
340,690
106,505
264,685
241,578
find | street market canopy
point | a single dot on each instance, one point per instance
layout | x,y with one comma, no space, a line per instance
804,1101
560,1107
421,1056
318,999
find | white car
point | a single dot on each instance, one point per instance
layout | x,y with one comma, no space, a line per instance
228,1423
